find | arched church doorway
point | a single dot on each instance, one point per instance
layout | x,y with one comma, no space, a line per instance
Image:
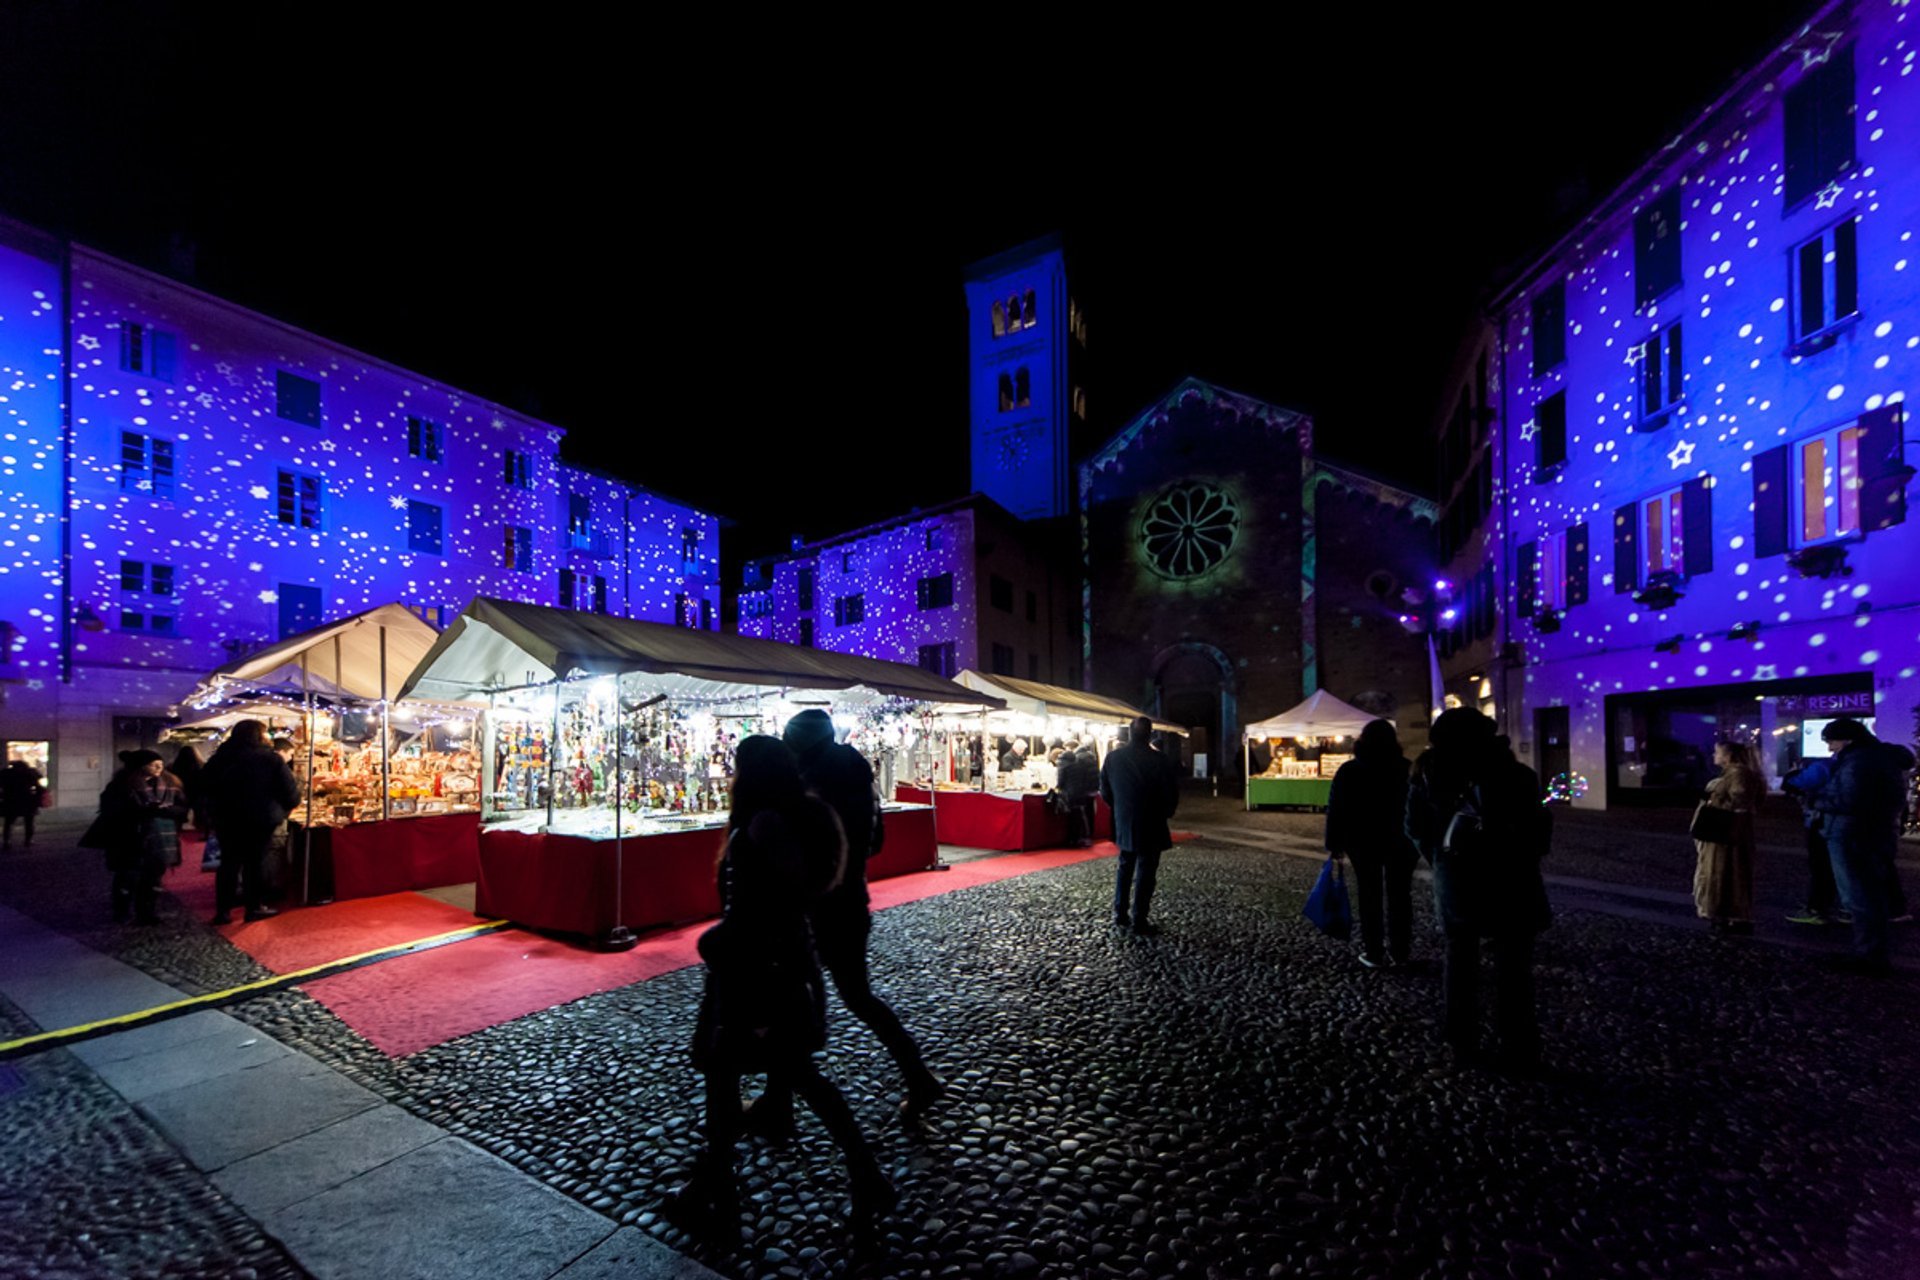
1194,686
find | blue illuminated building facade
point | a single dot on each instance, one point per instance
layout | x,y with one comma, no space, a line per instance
1695,441
182,480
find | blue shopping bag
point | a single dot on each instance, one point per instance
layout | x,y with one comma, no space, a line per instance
1327,905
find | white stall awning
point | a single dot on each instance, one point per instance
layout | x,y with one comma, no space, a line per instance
1030,697
340,659
1320,716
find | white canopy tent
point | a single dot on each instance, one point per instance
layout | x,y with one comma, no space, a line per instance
1030,697
1320,716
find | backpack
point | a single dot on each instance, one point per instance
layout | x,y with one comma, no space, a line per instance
1467,830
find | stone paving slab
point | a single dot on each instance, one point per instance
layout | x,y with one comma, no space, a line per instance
446,1209
629,1254
319,1161
58,982
207,1058
231,1117
188,1027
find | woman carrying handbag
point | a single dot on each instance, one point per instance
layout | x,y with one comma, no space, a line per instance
1722,834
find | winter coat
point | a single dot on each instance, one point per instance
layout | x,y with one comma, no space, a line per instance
1804,783
1079,775
1723,869
1499,890
765,999
20,789
247,790
1862,802
139,821
1367,806
841,777
1140,787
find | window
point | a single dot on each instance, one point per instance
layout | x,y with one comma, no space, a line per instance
1033,607
298,502
689,550
846,562
1656,249
1826,284
706,615
756,606
146,350
518,548
936,539
1549,328
1669,534
146,597
579,522
1551,573
1032,309
146,465
933,593
1827,486
566,588
1080,403
1818,116
295,398
1661,377
939,659
299,608
1549,434
1014,320
425,439
423,527
1006,392
434,615
848,610
806,633
803,588
999,319
600,594
518,471
1022,389
1000,593
1003,659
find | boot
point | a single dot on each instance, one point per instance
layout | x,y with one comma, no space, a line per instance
922,1093
708,1205
873,1199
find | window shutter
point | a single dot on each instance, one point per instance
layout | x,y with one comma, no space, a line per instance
1846,270
1883,471
1525,576
1626,548
1771,494
163,356
1578,562
1696,526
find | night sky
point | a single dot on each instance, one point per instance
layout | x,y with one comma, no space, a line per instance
728,261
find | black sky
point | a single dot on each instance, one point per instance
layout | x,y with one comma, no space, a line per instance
728,260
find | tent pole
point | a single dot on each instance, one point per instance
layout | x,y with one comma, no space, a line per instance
386,736
619,938
985,747
553,753
1246,768
306,834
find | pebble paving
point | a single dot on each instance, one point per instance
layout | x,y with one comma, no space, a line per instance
1238,1097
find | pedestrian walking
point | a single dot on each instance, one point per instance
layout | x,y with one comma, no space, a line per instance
842,920
21,791
1823,896
1477,815
138,827
249,791
1861,807
1139,786
764,1007
1079,784
1723,841
1366,825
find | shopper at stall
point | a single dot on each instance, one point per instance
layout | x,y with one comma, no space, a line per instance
20,792
1823,895
249,791
1366,810
1861,807
1723,838
139,829
187,767
1079,783
842,920
764,1008
1140,787
1475,813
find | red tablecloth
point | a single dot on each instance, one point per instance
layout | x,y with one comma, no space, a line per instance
910,844
566,883
368,859
985,820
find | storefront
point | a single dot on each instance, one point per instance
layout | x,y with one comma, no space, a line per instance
1291,758
607,754
1660,743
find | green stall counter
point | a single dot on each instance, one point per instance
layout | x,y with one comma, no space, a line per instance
1300,792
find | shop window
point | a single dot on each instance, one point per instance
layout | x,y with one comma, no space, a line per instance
426,439
1022,388
1656,249
1549,328
518,472
848,610
1549,434
933,593
1003,659
1551,573
146,465
939,659
1006,392
296,399
299,500
517,548
579,522
148,351
424,527
1670,534
1818,121
806,633
1661,376
1000,593
1826,285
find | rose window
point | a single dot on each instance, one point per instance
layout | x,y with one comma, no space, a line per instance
1189,529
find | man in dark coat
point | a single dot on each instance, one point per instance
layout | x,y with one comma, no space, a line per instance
249,791
1079,783
841,920
1860,809
1139,785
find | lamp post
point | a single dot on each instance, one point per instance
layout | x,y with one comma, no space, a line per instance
1428,609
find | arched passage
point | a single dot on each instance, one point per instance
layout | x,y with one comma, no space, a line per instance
1194,685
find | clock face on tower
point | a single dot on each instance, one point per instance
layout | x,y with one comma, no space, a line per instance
1011,450
1189,530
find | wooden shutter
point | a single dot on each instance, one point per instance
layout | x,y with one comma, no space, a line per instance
162,355
1771,496
1578,562
1883,470
1526,572
1696,526
1626,548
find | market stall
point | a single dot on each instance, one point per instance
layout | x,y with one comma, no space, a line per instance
391,789
1306,746
989,774
606,737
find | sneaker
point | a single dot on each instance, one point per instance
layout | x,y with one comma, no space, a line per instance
263,913
1372,962
1146,929
1809,916
921,1095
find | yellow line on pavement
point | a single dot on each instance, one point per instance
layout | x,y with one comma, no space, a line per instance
120,1022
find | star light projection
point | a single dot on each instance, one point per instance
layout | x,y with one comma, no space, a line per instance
1764,366
204,523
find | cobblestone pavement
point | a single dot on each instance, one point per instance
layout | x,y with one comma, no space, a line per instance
1239,1098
